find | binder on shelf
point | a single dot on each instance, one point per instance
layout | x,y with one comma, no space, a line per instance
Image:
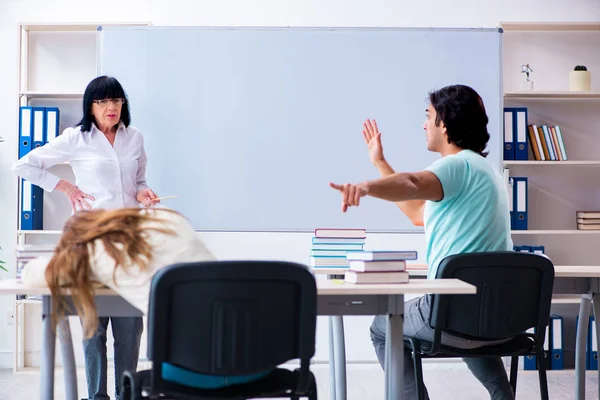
538,249
25,130
520,200
529,362
587,342
39,126
32,206
547,354
592,346
557,342
509,150
52,121
511,202
523,249
520,133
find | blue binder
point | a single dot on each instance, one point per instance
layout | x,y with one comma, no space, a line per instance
32,206
520,200
592,352
511,197
509,126
538,249
556,342
529,362
587,343
521,138
39,126
25,130
52,123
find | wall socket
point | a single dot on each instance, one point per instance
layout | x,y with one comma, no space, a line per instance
10,316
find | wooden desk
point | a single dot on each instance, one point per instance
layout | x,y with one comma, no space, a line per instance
334,298
583,281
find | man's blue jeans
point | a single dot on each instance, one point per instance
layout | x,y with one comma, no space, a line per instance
127,332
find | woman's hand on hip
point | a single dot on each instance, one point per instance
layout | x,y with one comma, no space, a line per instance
76,197
147,197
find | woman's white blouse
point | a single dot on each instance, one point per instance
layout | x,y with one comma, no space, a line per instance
111,174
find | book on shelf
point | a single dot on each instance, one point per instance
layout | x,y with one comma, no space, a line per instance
588,220
376,277
588,227
588,214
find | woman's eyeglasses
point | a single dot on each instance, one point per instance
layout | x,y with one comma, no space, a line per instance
104,102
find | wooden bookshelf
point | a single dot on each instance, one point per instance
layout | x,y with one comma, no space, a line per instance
556,189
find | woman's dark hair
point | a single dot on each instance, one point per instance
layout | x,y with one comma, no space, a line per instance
102,87
461,110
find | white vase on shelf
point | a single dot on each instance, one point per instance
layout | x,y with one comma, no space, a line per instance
580,81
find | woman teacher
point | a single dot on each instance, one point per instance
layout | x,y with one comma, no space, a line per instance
109,162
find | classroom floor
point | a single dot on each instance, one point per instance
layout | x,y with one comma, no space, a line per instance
446,381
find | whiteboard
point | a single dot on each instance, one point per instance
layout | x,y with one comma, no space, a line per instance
249,125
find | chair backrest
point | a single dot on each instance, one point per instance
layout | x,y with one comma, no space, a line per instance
231,317
514,292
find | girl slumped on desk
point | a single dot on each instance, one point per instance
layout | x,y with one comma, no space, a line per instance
121,249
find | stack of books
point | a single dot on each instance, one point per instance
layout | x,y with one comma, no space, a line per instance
378,266
547,143
330,247
588,220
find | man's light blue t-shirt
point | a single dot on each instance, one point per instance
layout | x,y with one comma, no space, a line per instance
473,216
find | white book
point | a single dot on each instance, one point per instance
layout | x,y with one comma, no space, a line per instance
328,262
376,277
380,255
588,214
340,233
332,240
330,253
377,266
332,246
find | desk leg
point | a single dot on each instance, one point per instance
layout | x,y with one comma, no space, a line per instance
48,347
339,357
580,346
596,297
66,348
331,361
394,350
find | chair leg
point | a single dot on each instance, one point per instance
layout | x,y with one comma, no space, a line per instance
312,395
514,366
418,366
419,375
542,374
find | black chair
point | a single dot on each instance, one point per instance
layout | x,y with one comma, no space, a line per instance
230,318
514,292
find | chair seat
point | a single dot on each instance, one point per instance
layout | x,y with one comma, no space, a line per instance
276,384
519,345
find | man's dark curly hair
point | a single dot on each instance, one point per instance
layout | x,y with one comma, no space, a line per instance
461,110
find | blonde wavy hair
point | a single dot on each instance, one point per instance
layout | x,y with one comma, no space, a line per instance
124,237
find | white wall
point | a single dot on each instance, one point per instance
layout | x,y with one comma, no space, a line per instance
458,13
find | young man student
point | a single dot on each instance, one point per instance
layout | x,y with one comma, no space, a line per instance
459,199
